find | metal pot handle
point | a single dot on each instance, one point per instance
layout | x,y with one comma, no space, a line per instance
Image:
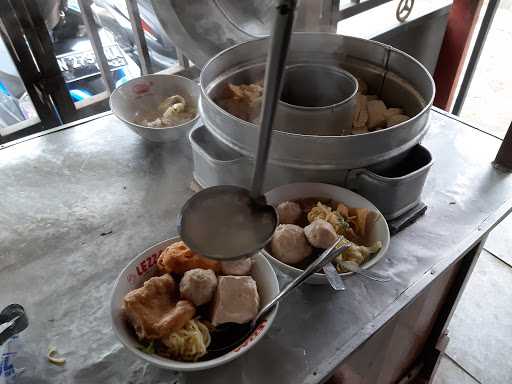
351,180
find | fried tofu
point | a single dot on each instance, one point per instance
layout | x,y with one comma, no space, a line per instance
178,258
154,309
362,86
393,111
396,119
376,114
360,118
243,101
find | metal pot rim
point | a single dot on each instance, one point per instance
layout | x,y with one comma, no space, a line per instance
427,106
324,107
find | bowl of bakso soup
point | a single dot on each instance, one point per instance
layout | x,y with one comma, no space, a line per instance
312,216
173,308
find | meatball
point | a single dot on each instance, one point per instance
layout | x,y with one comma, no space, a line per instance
289,244
289,212
198,286
236,267
320,234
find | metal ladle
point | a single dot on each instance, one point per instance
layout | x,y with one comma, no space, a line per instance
230,222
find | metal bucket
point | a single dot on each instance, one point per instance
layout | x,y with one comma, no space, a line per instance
217,164
394,76
395,189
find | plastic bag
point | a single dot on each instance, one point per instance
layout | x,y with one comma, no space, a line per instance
13,320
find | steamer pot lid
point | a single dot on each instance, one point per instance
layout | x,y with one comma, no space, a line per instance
201,29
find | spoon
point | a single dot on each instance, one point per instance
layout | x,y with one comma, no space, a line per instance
232,334
333,277
229,222
354,267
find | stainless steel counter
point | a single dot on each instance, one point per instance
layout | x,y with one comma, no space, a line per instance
77,204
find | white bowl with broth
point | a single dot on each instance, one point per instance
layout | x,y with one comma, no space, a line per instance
143,267
139,98
295,191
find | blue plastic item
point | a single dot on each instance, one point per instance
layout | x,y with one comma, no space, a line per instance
79,94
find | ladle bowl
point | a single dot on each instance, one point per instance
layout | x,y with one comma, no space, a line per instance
225,223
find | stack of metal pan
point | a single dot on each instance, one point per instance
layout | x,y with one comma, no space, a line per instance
311,143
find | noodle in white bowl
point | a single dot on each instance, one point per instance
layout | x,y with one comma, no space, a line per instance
142,268
189,343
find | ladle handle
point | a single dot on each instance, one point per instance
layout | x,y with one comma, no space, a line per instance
341,245
272,88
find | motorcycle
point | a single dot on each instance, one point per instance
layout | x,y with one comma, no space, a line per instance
76,58
113,16
75,55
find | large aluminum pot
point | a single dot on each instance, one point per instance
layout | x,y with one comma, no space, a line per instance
394,76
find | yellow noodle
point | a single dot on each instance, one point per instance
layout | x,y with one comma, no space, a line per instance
189,343
358,254
324,212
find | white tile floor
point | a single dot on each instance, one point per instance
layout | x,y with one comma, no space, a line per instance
500,241
451,373
488,99
480,346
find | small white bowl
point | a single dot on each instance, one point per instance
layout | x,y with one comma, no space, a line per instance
304,190
141,97
143,267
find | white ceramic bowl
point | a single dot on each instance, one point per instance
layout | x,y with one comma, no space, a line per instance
142,267
141,97
303,190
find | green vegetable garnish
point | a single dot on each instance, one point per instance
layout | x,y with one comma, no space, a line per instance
341,221
149,349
